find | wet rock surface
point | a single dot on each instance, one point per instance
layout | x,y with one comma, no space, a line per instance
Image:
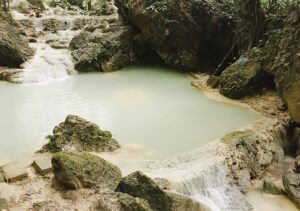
103,49
121,201
270,187
14,48
139,185
77,134
244,77
83,170
183,33
291,182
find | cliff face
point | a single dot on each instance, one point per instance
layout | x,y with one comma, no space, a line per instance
186,34
282,60
14,49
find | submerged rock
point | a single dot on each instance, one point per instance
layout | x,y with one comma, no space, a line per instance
83,170
14,49
139,185
79,134
291,182
184,33
244,77
103,49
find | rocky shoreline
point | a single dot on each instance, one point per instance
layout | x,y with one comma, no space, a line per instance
105,43
241,158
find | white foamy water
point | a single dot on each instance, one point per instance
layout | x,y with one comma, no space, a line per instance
47,64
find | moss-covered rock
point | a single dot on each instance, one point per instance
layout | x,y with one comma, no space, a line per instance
115,201
282,59
103,49
14,49
271,187
184,33
129,203
139,185
79,134
83,170
244,77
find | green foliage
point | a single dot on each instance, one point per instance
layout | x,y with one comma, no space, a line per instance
279,6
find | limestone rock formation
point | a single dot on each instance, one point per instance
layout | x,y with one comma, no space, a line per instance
244,77
99,49
184,33
291,182
14,49
122,202
79,134
282,60
83,170
139,185
252,150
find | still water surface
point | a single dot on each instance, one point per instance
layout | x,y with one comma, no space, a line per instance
153,111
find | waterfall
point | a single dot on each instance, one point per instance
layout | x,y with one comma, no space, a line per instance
48,63
202,175
38,24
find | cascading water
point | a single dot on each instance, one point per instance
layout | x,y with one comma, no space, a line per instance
200,174
48,63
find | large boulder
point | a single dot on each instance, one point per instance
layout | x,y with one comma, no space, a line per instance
103,49
114,201
184,33
83,170
14,49
282,60
79,134
291,183
139,185
243,77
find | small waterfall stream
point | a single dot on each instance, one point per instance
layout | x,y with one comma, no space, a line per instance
200,174
48,63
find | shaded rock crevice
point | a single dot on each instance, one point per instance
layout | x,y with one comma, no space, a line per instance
182,33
